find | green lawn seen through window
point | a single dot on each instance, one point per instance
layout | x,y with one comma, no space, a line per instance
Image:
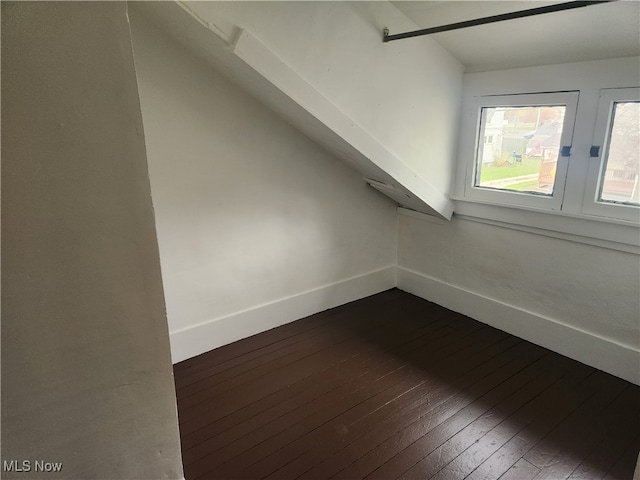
524,186
507,170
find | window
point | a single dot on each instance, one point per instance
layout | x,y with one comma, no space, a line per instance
613,182
523,153
619,180
522,159
532,133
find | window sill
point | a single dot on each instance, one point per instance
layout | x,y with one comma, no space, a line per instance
603,232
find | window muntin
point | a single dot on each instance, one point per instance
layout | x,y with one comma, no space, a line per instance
520,148
620,177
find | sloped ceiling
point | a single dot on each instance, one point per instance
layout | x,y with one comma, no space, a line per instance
258,70
599,31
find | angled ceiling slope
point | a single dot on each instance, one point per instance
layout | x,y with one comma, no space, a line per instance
254,67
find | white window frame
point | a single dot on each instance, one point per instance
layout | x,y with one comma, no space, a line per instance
608,227
602,130
544,202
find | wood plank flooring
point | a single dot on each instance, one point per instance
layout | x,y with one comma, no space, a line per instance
393,386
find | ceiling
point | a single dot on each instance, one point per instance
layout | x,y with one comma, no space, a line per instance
599,31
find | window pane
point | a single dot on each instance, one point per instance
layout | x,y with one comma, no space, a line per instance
518,148
620,179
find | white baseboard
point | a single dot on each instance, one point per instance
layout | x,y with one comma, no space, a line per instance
192,341
588,348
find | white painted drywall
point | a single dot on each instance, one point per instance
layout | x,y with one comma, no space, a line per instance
405,94
591,288
580,300
86,371
250,213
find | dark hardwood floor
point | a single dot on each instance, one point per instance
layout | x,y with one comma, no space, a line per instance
393,386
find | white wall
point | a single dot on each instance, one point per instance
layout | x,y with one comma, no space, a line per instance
257,225
587,287
580,300
576,299
87,380
404,94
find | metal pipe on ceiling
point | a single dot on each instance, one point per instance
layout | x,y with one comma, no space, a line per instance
559,7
